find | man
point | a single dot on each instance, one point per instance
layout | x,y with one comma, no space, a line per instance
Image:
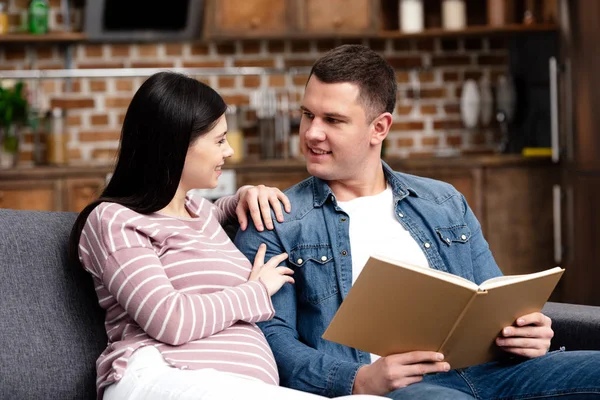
354,205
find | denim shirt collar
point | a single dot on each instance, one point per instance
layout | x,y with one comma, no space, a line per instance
400,188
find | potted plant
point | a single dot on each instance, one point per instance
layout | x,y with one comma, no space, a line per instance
13,115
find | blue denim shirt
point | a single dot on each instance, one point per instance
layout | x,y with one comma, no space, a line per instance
316,237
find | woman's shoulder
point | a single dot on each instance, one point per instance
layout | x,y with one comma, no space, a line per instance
198,204
108,213
114,226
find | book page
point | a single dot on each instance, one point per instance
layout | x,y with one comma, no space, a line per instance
446,276
509,279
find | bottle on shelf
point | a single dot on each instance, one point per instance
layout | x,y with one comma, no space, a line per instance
496,12
37,16
57,138
454,14
3,20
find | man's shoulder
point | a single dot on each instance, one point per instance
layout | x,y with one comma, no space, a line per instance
428,188
302,197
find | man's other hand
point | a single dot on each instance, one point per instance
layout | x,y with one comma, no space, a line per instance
396,371
529,337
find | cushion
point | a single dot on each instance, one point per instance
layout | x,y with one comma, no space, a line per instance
52,326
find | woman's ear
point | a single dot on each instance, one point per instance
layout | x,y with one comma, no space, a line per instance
380,128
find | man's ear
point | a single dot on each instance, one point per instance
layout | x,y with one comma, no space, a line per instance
380,128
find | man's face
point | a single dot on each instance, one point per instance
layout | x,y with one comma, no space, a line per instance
334,134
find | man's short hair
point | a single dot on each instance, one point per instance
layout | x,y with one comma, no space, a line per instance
365,68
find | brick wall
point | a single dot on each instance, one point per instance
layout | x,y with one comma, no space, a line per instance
425,125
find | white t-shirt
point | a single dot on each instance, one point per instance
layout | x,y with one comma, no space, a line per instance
374,230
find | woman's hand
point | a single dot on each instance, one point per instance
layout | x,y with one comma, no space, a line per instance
259,200
272,277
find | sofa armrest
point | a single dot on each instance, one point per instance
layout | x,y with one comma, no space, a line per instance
576,327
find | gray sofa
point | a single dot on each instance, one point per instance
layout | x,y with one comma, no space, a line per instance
53,330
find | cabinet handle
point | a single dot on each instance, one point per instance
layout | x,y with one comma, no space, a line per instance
254,22
337,22
554,134
557,222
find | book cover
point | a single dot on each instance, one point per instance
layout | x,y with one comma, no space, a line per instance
396,308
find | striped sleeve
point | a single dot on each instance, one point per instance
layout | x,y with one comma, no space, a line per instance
226,207
135,277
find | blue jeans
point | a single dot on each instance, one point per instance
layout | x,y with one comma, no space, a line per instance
557,375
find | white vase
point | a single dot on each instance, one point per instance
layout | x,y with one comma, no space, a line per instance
470,104
411,16
454,14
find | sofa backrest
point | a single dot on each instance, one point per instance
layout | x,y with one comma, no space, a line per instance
52,327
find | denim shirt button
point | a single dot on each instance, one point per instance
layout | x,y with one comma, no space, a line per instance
427,245
344,253
300,261
448,240
463,237
323,258
401,215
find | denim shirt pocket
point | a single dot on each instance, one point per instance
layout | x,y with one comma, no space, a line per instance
454,235
314,272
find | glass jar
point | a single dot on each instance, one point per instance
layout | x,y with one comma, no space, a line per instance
235,137
57,138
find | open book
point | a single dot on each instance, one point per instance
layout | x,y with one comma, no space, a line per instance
395,308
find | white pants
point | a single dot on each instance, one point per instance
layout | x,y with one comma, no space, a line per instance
149,377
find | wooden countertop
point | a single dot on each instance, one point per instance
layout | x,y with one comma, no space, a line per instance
475,161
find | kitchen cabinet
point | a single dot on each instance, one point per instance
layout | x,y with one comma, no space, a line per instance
51,188
30,195
290,18
580,237
79,192
517,217
249,17
338,16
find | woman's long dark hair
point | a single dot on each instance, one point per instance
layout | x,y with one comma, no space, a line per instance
166,115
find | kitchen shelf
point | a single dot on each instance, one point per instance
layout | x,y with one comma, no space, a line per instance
479,30
482,30
52,37
476,30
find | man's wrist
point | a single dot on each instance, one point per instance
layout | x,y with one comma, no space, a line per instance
357,386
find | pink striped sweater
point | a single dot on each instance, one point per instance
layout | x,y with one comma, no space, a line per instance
180,285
